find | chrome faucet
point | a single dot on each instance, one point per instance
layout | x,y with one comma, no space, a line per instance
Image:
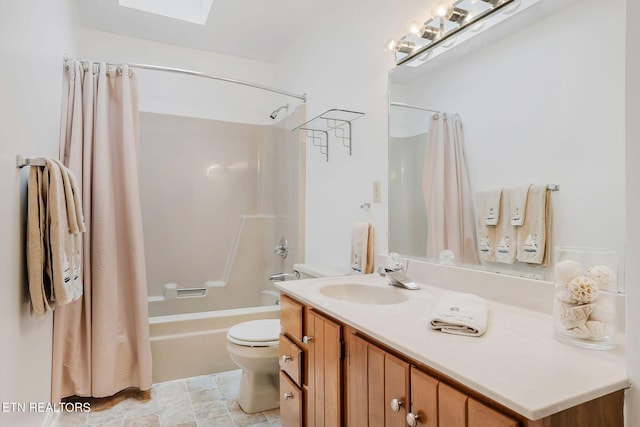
281,277
398,278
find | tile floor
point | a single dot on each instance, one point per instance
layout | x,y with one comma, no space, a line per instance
205,401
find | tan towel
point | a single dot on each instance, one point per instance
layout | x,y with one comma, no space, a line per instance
486,234
38,289
362,247
506,236
519,204
54,224
534,237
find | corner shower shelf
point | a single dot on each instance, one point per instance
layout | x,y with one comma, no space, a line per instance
335,120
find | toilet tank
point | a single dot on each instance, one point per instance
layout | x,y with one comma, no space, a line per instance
310,271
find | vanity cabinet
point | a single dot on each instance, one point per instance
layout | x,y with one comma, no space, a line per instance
369,384
311,352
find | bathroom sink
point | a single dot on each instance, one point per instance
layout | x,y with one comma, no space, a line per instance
364,294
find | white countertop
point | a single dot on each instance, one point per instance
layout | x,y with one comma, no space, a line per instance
517,362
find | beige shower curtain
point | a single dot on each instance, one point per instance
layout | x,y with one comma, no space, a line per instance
447,192
101,342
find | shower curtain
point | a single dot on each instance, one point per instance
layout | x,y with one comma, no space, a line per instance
447,192
101,342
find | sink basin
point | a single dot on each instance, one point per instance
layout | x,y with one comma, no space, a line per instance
364,294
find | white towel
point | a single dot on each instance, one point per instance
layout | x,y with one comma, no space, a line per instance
460,314
534,235
491,205
362,247
519,204
485,233
506,236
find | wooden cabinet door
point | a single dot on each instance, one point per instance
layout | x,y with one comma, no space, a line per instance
396,386
324,362
357,382
481,415
424,398
452,407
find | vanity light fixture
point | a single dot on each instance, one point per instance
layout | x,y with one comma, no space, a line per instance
447,19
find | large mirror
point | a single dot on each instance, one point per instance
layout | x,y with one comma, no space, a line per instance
543,105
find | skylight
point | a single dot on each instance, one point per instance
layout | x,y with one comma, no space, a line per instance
195,11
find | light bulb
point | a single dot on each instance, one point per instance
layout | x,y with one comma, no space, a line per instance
440,10
391,44
415,27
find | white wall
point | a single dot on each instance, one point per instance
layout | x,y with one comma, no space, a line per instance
33,37
169,93
633,209
340,63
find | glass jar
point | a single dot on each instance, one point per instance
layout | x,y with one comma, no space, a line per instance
584,304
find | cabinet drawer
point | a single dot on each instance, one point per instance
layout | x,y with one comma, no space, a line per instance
291,317
290,403
291,359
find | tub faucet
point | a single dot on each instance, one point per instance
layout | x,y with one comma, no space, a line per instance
397,278
281,277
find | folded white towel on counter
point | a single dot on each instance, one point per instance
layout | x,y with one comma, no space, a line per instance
362,247
535,235
460,314
491,205
519,204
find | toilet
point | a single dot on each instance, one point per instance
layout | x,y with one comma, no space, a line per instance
253,346
310,271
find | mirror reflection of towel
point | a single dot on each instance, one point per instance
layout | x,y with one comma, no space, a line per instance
534,235
506,238
486,234
362,248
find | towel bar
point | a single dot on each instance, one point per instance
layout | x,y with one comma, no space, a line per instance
22,161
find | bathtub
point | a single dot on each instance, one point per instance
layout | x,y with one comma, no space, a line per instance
191,344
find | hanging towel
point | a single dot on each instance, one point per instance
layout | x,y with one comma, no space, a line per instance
54,224
460,314
362,248
534,236
486,234
491,205
519,204
506,236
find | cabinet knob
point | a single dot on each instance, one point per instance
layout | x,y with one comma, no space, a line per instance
396,404
288,395
306,339
412,419
286,358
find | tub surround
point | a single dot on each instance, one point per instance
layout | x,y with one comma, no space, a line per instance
516,363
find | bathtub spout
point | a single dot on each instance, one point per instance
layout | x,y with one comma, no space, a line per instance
281,277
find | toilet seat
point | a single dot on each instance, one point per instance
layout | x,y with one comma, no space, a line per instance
255,333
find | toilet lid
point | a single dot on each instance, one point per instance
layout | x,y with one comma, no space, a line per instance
255,333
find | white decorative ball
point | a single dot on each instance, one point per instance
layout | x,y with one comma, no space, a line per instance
583,289
603,311
604,276
566,271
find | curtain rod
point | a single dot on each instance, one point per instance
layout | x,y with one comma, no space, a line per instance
402,104
303,97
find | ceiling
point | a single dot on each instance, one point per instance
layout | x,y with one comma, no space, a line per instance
256,29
